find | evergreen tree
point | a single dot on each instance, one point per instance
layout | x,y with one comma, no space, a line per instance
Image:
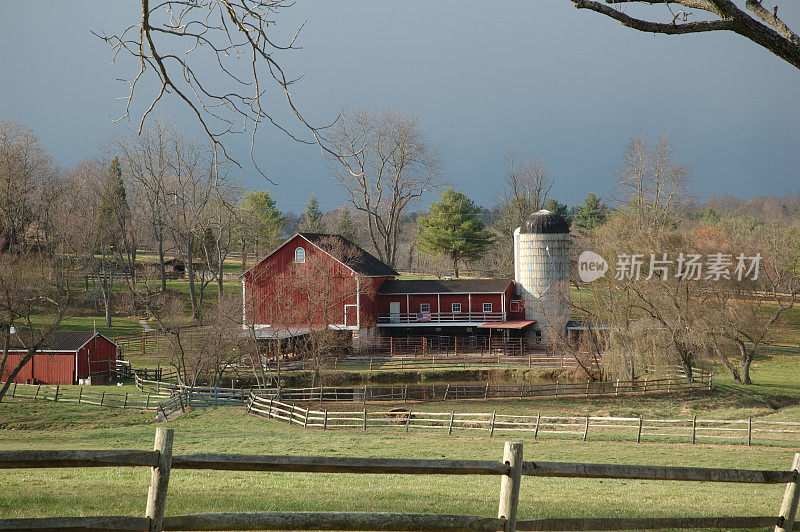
592,213
453,228
260,222
114,212
112,222
553,205
311,221
346,226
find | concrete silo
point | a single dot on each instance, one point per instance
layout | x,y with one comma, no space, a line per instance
541,270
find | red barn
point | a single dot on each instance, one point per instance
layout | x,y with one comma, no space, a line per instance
313,281
64,358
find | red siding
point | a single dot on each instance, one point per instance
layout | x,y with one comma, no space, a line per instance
43,368
446,300
95,359
279,291
25,375
54,368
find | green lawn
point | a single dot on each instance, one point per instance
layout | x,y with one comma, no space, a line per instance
120,326
121,491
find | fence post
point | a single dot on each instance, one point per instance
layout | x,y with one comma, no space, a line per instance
269,410
491,425
694,428
450,428
616,388
486,394
586,428
159,479
587,387
290,415
305,419
364,399
125,404
556,394
749,430
102,397
55,399
14,391
790,499
639,435
408,419
509,485
325,420
146,406
80,394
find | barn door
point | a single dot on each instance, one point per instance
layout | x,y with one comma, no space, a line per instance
394,312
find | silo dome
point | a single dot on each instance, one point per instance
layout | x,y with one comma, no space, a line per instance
544,222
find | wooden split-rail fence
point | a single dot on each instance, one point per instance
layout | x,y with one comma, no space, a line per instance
453,391
726,431
87,396
510,469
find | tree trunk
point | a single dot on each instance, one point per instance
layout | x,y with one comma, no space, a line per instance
244,255
190,275
687,367
455,267
162,269
747,359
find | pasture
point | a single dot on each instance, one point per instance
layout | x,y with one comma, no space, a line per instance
120,491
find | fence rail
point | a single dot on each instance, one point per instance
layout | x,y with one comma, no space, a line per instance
511,470
639,429
88,396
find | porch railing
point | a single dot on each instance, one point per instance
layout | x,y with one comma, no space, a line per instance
440,317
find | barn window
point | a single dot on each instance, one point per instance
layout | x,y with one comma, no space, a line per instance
299,255
487,307
424,308
456,308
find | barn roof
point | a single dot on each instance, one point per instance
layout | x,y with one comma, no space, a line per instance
456,286
350,254
56,341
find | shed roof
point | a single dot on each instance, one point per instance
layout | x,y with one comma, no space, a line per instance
56,341
435,286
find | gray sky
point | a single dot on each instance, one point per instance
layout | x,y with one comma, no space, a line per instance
541,77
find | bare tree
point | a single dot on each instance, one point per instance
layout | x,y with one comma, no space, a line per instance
384,163
745,310
26,173
193,183
650,181
527,188
239,37
148,160
755,21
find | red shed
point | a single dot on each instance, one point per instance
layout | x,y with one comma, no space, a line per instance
63,358
313,281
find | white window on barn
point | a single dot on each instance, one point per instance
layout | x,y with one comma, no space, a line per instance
299,255
424,308
487,307
456,308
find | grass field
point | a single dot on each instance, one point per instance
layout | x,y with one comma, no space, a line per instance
123,491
